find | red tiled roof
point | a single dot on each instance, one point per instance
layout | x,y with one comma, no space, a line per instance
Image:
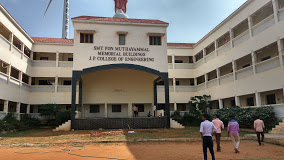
51,40
92,18
181,44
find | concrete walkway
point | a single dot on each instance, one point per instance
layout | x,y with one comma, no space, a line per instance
268,138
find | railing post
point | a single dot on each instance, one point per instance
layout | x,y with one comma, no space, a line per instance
129,110
204,54
11,39
216,47
28,109
218,76
174,83
253,57
280,50
6,106
23,50
221,104
31,55
9,72
250,25
231,37
56,84
206,79
175,106
234,65
173,61
57,59
275,10
258,99
21,78
105,110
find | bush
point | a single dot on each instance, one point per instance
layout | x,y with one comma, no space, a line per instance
192,119
63,116
10,123
246,116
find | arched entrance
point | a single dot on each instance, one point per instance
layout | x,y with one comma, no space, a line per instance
77,75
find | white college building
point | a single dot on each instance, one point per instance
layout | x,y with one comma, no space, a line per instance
113,64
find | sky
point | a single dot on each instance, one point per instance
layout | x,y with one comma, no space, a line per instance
190,20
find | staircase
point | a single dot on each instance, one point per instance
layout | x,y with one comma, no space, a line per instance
175,124
279,129
64,127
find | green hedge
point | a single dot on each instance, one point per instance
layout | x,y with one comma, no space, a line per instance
246,116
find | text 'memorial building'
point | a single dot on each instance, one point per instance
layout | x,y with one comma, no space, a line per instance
114,64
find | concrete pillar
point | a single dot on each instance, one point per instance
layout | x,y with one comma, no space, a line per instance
218,76
175,106
57,59
204,54
231,37
206,79
21,78
11,39
221,104
258,99
237,100
28,109
275,10
80,95
56,83
23,50
253,57
18,109
173,61
130,114
9,72
105,110
216,47
174,83
250,25
6,106
30,81
32,55
234,66
280,50
195,81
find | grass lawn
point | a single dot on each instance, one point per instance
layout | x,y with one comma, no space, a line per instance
48,136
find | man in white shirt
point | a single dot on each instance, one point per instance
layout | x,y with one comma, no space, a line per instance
206,128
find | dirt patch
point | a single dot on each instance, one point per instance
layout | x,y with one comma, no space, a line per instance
142,151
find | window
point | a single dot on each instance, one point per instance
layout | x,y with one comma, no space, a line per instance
86,38
233,103
250,101
43,58
67,82
122,39
70,59
191,81
94,108
190,59
271,99
155,40
177,83
23,108
178,61
181,107
31,109
116,108
1,105
140,107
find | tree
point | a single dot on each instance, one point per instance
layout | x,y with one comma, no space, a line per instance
49,110
200,104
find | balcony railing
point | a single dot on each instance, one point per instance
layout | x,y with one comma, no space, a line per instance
227,78
42,88
26,87
44,63
14,81
210,56
184,66
263,25
62,88
241,38
200,87
3,77
212,83
224,48
4,42
16,51
2,115
281,14
65,64
244,72
268,64
162,88
185,89
182,113
170,66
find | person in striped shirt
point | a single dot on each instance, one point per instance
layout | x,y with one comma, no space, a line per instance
233,130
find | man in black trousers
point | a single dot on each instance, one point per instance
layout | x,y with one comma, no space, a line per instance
206,128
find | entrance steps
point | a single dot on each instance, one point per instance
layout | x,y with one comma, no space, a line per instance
64,127
175,124
279,129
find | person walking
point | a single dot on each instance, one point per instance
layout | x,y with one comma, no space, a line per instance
206,128
259,128
135,111
219,125
233,129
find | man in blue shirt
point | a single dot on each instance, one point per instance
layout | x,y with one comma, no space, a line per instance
206,128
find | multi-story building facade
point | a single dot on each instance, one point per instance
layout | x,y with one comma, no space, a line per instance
240,62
